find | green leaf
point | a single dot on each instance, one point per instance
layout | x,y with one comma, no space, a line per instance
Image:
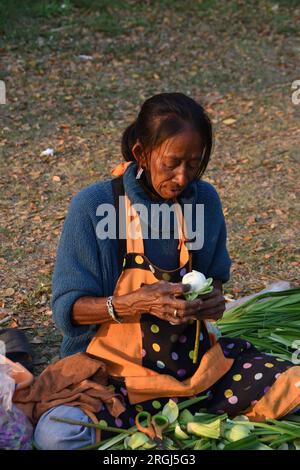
179,433
171,411
202,444
186,417
138,439
236,432
248,443
211,430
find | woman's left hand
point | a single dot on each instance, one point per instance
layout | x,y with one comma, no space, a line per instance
213,305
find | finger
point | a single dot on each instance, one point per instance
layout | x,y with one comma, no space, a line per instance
179,288
210,295
168,315
213,302
212,313
186,308
178,320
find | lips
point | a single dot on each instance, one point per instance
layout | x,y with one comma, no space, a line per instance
176,190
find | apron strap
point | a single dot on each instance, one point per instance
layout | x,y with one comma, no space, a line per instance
118,190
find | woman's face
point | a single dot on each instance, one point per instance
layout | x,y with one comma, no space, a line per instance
174,164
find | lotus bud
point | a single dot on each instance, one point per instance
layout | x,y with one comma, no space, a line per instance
199,284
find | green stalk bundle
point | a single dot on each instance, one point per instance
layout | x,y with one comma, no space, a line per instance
270,321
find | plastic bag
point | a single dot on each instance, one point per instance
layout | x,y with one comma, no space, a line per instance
7,387
274,287
15,429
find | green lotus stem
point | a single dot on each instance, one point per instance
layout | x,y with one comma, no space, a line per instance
275,428
282,440
190,402
91,425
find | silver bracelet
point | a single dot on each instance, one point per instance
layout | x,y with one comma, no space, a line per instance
111,310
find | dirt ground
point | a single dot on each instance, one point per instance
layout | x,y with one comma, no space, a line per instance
76,76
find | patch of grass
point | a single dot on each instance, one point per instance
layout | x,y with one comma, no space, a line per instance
4,231
120,50
106,23
26,20
11,254
19,17
206,6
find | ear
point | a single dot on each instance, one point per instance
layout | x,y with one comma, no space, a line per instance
139,155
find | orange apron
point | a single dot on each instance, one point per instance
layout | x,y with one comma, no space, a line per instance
219,368
120,345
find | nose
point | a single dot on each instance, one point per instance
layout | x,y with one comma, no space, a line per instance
181,176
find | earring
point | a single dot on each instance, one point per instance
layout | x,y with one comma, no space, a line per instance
139,173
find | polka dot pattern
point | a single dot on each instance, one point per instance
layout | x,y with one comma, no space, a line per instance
131,421
183,271
237,377
169,349
228,393
247,365
238,389
166,277
181,372
160,364
154,328
139,259
233,400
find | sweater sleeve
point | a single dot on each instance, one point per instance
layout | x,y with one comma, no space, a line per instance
77,271
213,259
220,263
219,267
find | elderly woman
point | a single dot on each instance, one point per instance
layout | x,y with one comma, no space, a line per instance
121,299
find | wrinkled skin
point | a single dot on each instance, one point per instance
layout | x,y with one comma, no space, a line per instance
172,165
163,297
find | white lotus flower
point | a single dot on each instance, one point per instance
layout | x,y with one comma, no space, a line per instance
199,284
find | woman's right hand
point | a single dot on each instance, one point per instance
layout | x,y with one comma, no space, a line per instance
161,299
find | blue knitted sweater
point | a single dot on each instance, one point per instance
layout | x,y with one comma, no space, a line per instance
88,266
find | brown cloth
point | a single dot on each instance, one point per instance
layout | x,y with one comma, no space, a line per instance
77,380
